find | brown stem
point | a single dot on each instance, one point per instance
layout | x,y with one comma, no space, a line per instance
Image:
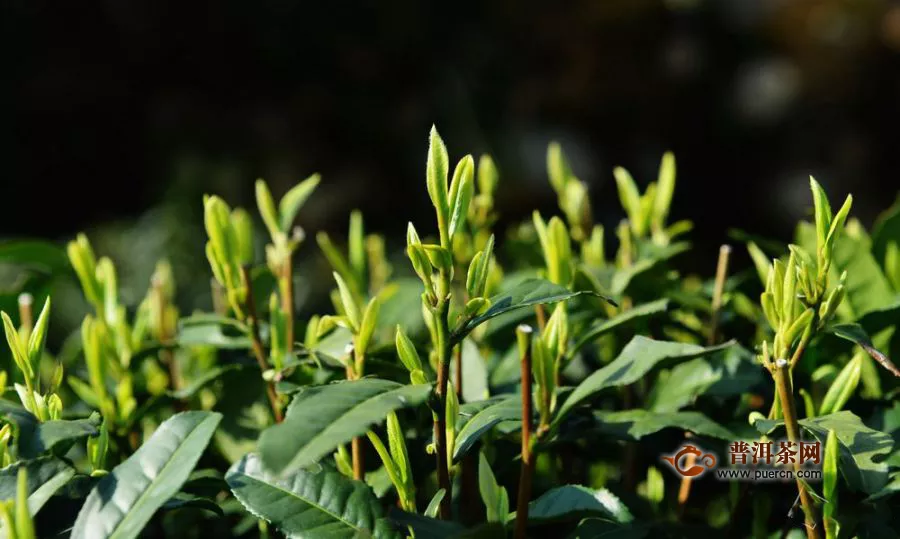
256,344
541,316
287,301
527,467
785,392
458,382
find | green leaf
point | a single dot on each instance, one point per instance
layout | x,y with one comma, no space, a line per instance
862,450
494,496
208,329
436,179
622,278
37,254
575,501
855,333
478,418
526,294
193,502
599,528
635,424
638,357
266,206
46,475
309,504
36,438
475,375
426,527
208,377
830,482
640,312
124,501
665,190
886,229
629,196
320,418
435,504
735,373
462,187
294,199
843,386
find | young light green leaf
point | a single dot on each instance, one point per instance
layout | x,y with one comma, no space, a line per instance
20,355
406,351
357,246
397,445
629,196
494,496
309,504
638,357
294,199
560,266
843,386
122,503
558,168
665,189
266,205
436,179
369,322
837,224
823,212
351,310
760,262
320,418
387,461
435,504
39,335
462,188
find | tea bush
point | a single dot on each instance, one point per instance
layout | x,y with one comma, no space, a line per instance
525,382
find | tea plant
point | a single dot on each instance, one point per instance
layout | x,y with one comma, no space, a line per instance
487,383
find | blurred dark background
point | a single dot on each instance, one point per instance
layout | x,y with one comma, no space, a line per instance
122,114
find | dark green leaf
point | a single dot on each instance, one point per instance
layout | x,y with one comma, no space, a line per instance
124,501
638,357
193,502
634,314
526,294
886,229
309,504
423,526
36,438
598,528
46,475
476,420
855,333
863,450
202,381
36,254
635,424
622,278
576,501
323,417
207,329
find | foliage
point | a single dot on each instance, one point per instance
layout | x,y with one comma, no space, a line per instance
466,392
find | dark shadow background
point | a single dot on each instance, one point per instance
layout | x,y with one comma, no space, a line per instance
122,114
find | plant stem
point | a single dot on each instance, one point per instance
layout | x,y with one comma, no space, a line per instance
684,490
440,425
541,316
220,304
256,344
527,467
781,374
287,300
